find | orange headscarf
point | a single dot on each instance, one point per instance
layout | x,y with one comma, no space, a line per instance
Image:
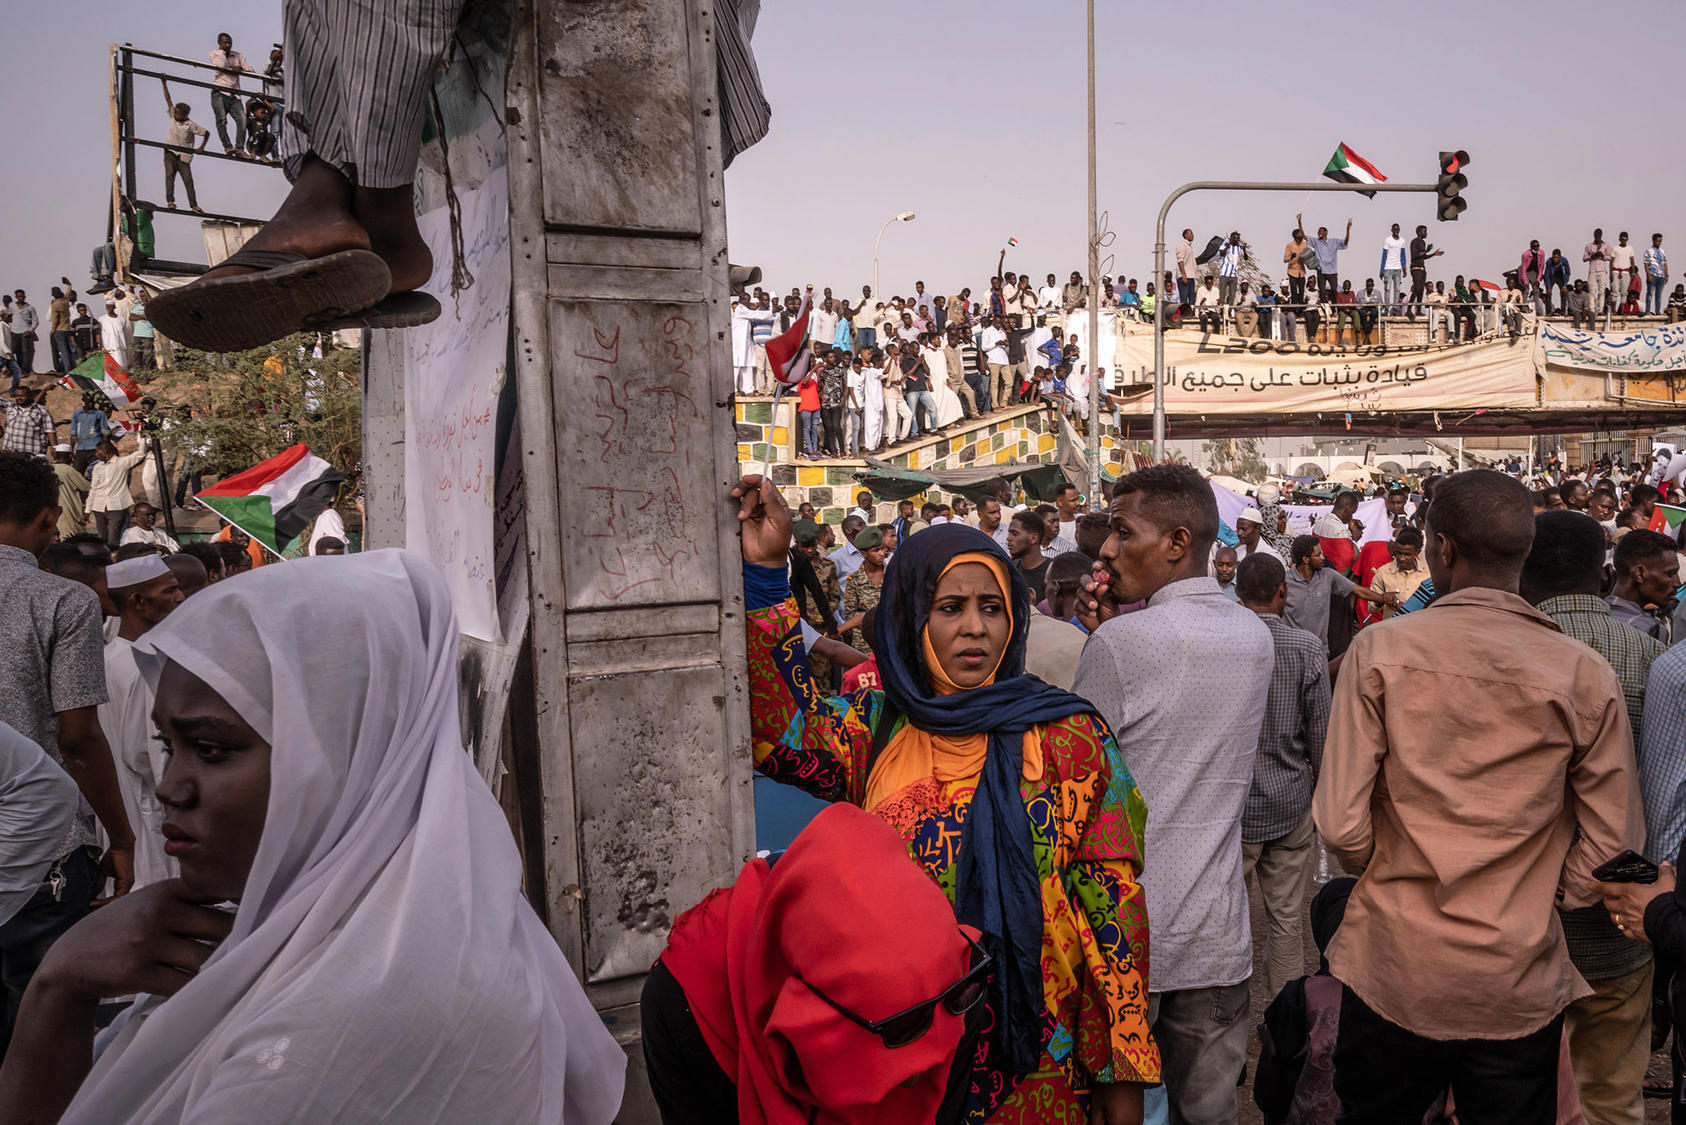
913,754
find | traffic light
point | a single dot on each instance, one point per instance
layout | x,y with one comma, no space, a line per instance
1452,181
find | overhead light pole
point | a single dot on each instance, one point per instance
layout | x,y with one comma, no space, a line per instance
1094,451
904,217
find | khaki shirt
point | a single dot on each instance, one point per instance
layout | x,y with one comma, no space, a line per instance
1291,255
1391,580
1465,742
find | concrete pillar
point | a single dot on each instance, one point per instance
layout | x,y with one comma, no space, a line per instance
623,370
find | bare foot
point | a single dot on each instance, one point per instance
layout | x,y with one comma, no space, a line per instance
315,220
389,216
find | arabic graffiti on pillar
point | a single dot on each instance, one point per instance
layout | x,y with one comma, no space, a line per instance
637,467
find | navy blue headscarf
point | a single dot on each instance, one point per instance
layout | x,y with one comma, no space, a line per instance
996,884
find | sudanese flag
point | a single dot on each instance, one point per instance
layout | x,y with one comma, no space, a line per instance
275,500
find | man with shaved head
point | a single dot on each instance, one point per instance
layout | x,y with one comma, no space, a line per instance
1182,684
1478,765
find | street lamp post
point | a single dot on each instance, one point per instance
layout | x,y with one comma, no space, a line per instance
904,217
1094,450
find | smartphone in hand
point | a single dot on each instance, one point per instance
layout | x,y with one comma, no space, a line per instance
1629,867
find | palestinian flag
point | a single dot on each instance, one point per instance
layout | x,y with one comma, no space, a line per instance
1347,167
1666,518
275,500
101,374
788,353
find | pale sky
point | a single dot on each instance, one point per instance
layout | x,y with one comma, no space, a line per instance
972,115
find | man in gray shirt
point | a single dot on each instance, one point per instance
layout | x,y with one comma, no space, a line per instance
1276,829
1311,586
1182,683
52,679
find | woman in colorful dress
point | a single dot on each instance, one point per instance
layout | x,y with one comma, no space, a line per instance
1009,792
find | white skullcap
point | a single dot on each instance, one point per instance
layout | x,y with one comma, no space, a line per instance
135,571
61,447
1252,514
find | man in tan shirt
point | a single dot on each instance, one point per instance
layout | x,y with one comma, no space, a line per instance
1465,744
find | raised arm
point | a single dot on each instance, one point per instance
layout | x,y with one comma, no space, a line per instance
799,735
169,102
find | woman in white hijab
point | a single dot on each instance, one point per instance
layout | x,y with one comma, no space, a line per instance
381,964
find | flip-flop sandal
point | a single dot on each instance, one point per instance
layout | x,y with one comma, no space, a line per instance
395,310
231,314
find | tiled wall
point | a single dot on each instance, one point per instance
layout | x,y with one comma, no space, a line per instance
1028,433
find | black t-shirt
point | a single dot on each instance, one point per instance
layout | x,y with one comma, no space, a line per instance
916,377
1036,579
1419,253
1015,344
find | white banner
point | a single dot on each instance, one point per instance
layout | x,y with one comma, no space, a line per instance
1639,351
1303,517
453,369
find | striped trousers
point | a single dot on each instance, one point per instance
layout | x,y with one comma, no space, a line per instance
358,73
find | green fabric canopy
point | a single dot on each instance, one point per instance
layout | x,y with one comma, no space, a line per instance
1039,479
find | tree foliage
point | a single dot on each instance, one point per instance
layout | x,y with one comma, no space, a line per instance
1237,457
255,404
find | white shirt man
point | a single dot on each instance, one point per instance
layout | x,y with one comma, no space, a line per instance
114,335
153,536
995,345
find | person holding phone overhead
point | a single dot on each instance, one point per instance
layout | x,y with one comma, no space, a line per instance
1455,967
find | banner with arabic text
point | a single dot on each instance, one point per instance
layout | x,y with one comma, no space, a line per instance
1638,351
1207,374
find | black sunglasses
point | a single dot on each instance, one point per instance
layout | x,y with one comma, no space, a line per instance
907,1026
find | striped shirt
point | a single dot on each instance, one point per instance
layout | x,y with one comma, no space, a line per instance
1296,718
1229,259
1597,948
1662,755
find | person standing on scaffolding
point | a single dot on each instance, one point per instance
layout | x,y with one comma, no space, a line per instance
225,97
343,250
178,157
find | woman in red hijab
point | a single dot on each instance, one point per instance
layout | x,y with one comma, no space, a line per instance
794,996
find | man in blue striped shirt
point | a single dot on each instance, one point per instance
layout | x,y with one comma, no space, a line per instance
1229,267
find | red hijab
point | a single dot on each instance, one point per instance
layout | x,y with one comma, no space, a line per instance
848,909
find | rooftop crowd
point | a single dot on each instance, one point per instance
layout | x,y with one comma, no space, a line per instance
888,371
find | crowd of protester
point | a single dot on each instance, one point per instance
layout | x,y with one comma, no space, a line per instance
1103,733
884,372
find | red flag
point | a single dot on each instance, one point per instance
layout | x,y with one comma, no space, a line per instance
788,353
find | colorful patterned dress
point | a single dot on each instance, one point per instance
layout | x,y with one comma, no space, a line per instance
1086,820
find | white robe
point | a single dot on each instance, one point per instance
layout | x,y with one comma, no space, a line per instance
948,404
873,414
743,347
126,719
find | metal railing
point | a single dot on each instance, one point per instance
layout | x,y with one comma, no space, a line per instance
127,142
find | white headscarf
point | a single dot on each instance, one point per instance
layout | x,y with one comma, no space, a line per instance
383,964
